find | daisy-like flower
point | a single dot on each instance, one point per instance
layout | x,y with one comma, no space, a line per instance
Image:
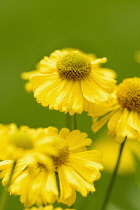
27,143
49,207
67,78
127,163
123,116
41,68
75,170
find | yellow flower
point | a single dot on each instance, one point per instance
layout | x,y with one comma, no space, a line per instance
75,168
49,207
124,115
40,69
108,146
31,144
67,78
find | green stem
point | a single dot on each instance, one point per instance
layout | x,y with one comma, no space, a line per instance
113,178
68,121
75,121
4,196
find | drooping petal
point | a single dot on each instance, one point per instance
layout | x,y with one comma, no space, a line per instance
76,181
97,124
87,161
109,73
134,120
70,98
67,193
96,88
123,128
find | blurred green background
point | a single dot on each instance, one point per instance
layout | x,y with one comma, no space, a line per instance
34,28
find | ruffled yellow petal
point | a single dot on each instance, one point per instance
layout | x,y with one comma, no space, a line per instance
40,188
69,98
50,192
98,124
76,181
91,155
82,164
64,132
109,73
123,128
47,88
99,60
114,118
47,65
77,140
96,88
59,94
27,75
67,194
134,121
97,110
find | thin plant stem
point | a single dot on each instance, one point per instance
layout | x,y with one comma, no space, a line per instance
113,178
75,121
4,196
68,121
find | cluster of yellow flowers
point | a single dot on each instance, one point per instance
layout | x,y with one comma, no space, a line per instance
51,165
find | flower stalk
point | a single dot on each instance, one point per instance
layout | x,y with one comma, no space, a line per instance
113,178
68,121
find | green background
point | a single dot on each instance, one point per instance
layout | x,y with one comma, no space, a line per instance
34,28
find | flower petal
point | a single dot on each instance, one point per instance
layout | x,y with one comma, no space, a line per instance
96,88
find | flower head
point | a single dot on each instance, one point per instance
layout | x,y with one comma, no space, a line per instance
124,114
128,94
24,142
67,78
75,168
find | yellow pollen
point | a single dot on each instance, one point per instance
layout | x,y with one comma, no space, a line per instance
73,66
62,158
21,140
128,94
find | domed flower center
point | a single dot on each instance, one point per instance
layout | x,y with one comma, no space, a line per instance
128,94
62,158
73,66
21,140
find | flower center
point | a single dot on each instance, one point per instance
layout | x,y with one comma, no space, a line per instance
21,140
128,94
62,158
73,66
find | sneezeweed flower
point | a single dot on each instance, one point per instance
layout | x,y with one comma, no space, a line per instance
31,144
124,115
75,169
67,78
127,163
42,68
49,207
